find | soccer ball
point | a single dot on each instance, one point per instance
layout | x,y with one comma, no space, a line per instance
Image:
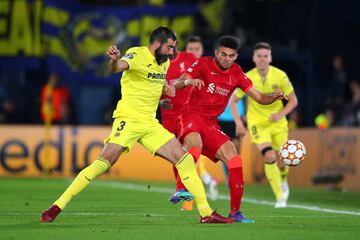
292,152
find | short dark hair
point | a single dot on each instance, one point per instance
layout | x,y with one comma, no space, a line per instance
162,34
193,39
229,42
262,45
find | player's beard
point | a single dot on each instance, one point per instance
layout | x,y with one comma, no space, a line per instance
161,58
223,66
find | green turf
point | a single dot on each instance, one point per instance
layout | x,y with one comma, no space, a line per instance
105,210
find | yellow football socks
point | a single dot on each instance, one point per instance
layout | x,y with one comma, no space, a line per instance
99,166
284,172
191,180
272,173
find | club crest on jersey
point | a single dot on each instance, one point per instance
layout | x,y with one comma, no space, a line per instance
182,67
275,86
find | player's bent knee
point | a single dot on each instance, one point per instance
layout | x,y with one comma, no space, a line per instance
269,154
193,139
265,150
111,152
177,151
235,162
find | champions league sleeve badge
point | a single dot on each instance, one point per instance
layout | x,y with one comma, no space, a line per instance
129,56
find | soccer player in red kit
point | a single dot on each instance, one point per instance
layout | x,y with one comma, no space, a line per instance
170,107
197,128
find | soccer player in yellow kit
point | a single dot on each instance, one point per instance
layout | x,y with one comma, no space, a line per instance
143,82
267,124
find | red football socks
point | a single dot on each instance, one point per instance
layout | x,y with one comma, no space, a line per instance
236,183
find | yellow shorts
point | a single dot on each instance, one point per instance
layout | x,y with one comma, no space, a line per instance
274,133
127,131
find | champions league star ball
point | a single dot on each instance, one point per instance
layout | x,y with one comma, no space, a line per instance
292,152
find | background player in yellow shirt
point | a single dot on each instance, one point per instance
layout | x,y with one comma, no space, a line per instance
143,82
267,124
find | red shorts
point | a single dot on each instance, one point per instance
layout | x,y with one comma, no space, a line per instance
169,122
211,135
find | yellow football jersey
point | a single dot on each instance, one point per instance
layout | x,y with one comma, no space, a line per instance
275,79
141,85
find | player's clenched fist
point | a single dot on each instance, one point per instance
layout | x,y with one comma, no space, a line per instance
169,90
113,52
279,94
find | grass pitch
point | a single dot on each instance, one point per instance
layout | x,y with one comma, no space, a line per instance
140,210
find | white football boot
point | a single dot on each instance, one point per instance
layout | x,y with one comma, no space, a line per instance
213,190
285,190
280,203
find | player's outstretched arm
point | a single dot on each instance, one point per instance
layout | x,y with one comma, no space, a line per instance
265,99
291,104
115,64
185,80
240,128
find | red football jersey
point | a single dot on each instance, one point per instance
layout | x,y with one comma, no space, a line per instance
178,66
211,100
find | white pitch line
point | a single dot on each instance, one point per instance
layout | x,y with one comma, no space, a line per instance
88,214
145,188
154,215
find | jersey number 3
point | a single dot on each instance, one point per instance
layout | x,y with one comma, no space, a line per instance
122,125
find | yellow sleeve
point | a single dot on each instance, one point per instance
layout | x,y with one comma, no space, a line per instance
130,57
286,85
239,93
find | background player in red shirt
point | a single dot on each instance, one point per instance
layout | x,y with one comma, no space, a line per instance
197,126
170,108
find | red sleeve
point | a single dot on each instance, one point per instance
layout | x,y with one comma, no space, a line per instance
192,57
194,71
43,94
244,82
65,94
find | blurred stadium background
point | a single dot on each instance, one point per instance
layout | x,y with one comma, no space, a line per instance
315,41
